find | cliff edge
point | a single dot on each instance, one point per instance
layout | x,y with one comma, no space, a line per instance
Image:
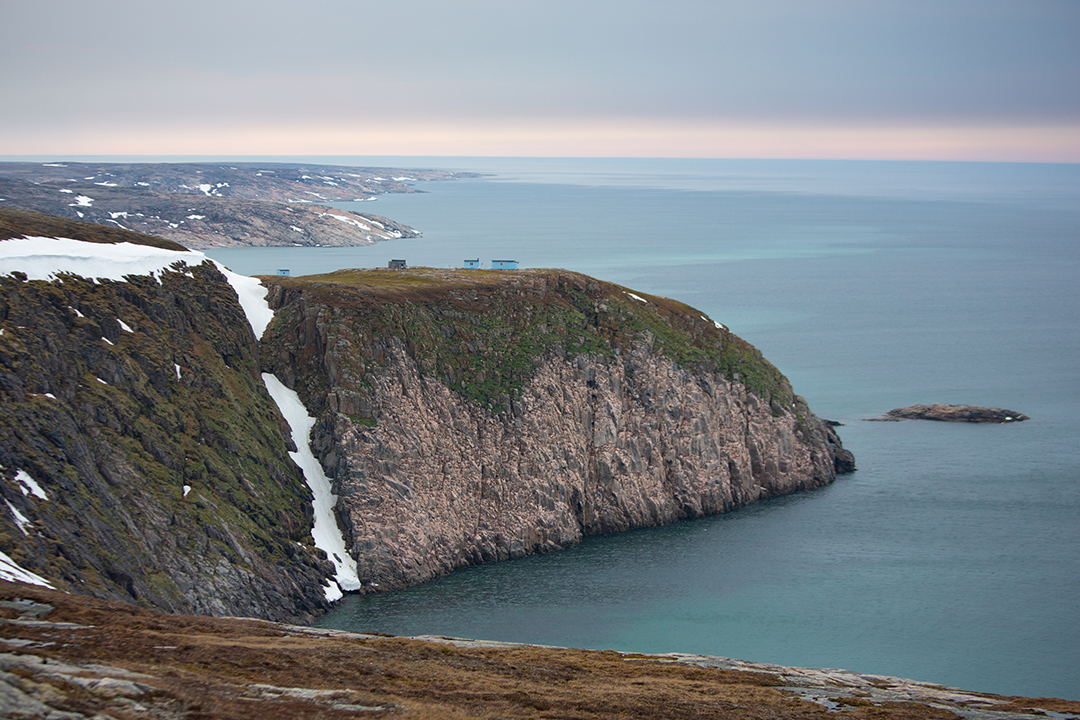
469,416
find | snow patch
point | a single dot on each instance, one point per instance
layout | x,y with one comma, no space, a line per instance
50,396
30,485
719,326
326,532
252,296
82,201
101,381
107,340
77,313
10,570
41,257
124,326
349,221
196,217
638,297
20,519
187,489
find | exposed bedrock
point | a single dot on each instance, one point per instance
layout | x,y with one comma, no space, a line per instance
619,437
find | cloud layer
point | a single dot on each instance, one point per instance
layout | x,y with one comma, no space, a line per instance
968,79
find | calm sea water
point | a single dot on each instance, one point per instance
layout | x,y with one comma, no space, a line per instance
952,554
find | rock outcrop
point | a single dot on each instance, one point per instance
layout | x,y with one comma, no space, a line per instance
473,416
953,413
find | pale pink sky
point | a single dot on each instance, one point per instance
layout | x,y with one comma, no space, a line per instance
867,79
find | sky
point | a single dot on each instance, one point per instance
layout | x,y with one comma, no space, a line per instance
994,80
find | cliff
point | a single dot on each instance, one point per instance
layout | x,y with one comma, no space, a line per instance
468,416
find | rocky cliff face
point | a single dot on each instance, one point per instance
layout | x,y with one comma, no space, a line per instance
473,416
142,458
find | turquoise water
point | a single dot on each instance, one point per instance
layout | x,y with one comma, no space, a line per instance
951,555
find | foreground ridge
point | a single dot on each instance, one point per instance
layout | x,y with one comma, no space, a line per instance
76,657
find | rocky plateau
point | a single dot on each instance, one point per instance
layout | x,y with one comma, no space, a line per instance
202,205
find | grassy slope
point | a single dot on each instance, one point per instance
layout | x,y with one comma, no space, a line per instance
483,331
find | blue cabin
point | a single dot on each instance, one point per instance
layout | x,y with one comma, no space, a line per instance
397,265
504,264
283,271
473,264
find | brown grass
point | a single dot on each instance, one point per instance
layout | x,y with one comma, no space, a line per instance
201,667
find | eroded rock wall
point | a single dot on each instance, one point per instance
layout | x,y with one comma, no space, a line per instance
430,480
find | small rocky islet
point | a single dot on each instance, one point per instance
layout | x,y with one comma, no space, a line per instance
952,413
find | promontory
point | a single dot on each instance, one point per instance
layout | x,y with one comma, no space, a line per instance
457,417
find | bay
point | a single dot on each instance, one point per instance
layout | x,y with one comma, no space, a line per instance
951,555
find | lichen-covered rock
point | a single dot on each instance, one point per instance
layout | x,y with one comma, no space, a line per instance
467,417
142,458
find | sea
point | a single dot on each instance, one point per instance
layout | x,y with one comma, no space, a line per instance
951,555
